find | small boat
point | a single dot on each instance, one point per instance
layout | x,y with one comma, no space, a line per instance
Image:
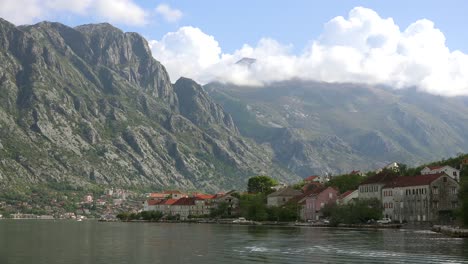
79,219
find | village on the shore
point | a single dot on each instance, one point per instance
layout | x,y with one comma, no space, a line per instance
431,196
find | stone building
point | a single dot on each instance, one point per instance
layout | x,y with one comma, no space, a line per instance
430,197
280,197
372,186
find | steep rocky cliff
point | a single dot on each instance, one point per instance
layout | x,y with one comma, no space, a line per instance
90,105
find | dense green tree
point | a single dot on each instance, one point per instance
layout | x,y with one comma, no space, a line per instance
222,210
346,182
261,184
253,207
151,215
358,212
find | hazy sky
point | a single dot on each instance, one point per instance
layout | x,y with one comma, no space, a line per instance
399,43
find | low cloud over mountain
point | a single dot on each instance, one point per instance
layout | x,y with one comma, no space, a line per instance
363,47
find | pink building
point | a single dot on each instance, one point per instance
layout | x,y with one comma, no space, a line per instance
315,202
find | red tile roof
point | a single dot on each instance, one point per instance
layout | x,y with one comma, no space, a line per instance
158,195
169,201
172,192
311,178
419,180
153,202
186,201
435,167
346,194
204,196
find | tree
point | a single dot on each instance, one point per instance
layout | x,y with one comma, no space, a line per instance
463,193
253,207
261,184
358,212
346,182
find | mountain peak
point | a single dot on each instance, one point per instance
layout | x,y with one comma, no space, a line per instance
246,61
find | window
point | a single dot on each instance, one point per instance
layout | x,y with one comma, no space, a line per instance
453,190
454,173
435,190
445,179
330,195
435,204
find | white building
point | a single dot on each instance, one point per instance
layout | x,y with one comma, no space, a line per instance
452,172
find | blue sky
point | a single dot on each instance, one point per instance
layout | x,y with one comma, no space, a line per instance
398,43
296,22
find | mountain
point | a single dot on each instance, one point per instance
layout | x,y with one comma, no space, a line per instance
317,128
89,105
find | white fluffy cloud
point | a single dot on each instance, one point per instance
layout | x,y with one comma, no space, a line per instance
114,11
360,48
168,13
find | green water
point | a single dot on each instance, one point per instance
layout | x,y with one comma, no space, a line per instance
48,242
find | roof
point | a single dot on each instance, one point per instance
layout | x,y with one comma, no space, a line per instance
355,172
311,178
186,201
435,167
381,177
313,192
172,192
311,185
158,195
169,201
204,196
345,194
153,202
419,180
288,191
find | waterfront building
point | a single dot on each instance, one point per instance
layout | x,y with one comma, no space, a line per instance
371,188
317,200
429,197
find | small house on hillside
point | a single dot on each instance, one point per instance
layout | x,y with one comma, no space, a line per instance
452,172
281,196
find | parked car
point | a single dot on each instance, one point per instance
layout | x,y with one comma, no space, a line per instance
384,221
241,220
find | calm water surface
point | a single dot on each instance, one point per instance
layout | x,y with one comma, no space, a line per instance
48,242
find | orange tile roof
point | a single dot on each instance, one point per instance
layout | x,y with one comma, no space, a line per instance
311,178
158,195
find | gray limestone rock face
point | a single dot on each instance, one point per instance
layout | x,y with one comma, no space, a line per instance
90,105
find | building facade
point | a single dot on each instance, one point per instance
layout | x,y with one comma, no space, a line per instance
314,203
282,196
422,198
452,172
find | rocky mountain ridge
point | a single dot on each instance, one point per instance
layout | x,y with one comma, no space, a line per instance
89,105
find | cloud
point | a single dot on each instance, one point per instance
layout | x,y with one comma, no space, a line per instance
20,11
114,11
362,48
121,11
168,13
